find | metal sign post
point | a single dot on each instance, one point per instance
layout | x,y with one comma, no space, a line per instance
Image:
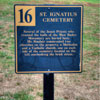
48,86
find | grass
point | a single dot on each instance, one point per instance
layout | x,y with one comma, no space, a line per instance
61,99
1,27
21,95
90,1
2,54
40,94
81,98
88,78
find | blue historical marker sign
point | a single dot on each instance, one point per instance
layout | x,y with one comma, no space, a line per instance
48,38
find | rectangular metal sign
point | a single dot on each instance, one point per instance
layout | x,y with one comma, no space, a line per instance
48,38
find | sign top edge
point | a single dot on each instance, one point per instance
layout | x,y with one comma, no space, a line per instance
45,5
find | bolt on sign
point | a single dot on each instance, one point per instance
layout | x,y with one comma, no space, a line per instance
48,38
